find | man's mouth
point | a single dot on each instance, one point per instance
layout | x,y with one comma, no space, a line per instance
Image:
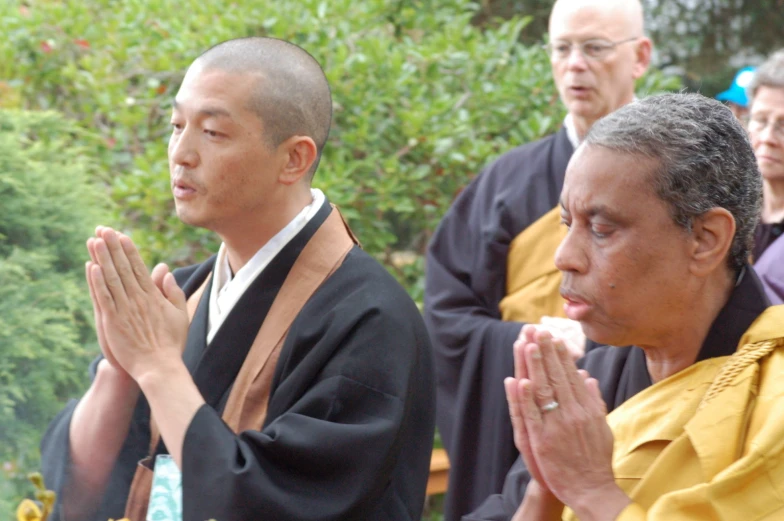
182,190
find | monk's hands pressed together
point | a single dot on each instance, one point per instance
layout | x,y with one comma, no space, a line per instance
558,417
141,318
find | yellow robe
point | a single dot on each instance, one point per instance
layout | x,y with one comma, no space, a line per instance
708,442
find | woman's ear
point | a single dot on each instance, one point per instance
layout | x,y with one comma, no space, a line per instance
712,233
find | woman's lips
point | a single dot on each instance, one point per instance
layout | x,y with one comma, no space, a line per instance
574,307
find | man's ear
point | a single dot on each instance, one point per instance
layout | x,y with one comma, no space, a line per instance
642,50
712,234
300,154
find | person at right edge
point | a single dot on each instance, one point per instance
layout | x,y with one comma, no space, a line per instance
490,263
766,130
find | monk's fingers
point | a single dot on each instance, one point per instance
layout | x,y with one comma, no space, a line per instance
518,350
122,263
529,406
88,266
528,332
101,292
595,393
541,389
575,380
138,268
111,279
518,424
91,249
552,350
158,274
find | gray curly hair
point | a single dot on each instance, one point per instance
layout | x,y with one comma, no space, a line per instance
704,156
769,74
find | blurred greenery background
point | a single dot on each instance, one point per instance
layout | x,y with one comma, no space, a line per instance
426,92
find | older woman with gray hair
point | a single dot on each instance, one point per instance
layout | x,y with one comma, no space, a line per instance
766,129
661,201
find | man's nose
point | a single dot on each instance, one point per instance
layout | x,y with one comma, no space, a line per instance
182,149
576,58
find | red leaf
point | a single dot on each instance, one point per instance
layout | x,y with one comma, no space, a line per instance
84,44
46,47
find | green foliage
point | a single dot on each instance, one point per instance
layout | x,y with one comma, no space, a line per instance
49,206
423,99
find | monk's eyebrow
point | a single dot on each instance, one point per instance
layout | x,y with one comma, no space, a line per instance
212,112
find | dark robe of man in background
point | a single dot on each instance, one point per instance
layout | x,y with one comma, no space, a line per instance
467,267
349,422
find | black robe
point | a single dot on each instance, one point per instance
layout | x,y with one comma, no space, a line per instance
465,281
350,420
622,372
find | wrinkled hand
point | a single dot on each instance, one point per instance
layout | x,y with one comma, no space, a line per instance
521,438
569,449
141,319
570,331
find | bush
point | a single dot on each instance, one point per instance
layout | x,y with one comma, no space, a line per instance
423,100
49,206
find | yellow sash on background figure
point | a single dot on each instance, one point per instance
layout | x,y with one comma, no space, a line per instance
532,280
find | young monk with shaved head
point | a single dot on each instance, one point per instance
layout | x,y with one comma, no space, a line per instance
490,266
288,377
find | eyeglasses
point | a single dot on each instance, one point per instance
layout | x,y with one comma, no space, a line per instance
594,49
758,124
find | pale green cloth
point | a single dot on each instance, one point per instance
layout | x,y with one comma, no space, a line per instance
166,493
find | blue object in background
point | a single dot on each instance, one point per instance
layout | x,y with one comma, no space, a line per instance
737,92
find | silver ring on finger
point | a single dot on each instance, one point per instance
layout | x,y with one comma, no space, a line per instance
551,406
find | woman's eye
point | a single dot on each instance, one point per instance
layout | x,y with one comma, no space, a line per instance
600,232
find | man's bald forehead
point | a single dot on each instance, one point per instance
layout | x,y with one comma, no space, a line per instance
627,13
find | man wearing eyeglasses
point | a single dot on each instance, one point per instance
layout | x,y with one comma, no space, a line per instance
490,266
766,130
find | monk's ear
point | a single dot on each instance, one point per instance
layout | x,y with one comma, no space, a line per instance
299,154
712,236
643,49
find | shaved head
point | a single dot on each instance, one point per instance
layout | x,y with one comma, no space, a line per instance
292,97
626,15
593,85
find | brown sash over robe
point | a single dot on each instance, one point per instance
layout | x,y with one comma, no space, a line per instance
247,404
